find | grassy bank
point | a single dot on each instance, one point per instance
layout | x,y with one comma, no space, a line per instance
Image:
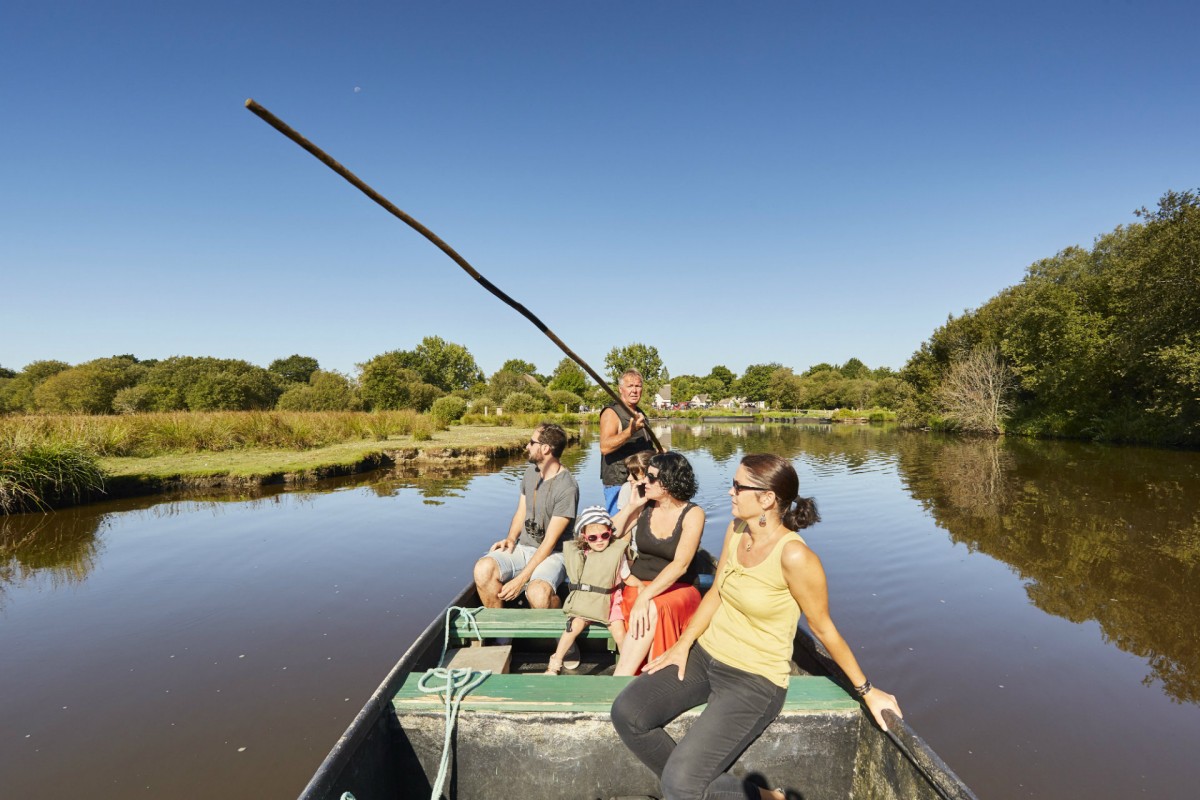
48,461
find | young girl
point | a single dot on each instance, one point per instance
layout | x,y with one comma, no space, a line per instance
636,466
596,570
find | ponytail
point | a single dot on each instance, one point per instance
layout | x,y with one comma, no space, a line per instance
801,514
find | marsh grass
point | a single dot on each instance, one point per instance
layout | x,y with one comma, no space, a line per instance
36,474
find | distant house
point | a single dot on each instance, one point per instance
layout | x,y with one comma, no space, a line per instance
700,401
732,403
662,398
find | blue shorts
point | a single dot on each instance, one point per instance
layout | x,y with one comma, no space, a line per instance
551,570
611,493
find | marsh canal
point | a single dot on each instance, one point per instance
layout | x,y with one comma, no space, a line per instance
1032,604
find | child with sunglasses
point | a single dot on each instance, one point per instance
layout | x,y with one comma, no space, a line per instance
596,570
636,466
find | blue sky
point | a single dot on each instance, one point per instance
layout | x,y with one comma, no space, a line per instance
733,183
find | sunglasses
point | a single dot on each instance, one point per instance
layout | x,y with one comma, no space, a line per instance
738,488
533,441
598,537
653,477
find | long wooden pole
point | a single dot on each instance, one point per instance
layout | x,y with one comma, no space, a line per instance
281,126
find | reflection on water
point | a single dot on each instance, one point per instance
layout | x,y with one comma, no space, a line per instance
1100,533
999,587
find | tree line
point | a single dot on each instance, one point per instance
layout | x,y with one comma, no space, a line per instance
1096,344
435,372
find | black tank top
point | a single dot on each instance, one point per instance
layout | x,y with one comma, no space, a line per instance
653,553
612,466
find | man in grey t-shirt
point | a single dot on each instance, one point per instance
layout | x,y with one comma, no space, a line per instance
529,559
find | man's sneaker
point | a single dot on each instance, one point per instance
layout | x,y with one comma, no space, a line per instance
571,659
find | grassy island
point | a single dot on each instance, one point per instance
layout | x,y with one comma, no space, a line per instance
53,461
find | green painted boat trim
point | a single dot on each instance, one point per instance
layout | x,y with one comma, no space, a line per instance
520,623
594,694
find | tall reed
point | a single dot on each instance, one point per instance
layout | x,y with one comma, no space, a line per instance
36,475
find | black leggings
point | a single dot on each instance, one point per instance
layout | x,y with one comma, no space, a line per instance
740,707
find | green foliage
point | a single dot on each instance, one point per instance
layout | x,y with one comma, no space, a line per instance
755,381
204,384
88,388
386,384
294,368
855,369
520,403
324,391
16,394
1103,342
519,366
643,358
569,377
446,365
448,409
37,474
560,400
721,381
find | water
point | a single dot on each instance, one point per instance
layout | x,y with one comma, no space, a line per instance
1031,604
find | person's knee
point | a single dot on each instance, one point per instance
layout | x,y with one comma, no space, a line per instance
538,593
624,716
679,781
486,571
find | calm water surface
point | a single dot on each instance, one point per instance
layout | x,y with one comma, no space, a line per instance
1033,605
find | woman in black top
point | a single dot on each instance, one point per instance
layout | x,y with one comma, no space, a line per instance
666,535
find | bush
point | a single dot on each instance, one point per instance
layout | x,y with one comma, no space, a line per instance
448,409
560,398
519,403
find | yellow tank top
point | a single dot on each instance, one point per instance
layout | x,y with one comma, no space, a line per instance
756,622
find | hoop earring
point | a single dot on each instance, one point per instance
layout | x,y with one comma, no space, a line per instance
762,520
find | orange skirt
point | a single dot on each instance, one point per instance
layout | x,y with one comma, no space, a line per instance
675,609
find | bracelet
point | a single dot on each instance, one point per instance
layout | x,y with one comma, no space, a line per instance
862,691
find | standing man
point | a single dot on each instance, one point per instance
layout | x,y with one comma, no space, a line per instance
529,559
620,436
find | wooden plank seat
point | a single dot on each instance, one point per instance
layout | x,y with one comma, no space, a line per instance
520,623
594,694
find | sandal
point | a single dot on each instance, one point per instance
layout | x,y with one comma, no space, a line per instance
554,667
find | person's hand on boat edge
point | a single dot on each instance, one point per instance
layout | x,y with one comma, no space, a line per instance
675,654
876,701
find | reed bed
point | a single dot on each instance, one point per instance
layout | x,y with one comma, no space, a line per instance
148,435
36,474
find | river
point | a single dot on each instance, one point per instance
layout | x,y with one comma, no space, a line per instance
1033,605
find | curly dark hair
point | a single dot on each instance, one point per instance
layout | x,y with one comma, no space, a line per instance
675,474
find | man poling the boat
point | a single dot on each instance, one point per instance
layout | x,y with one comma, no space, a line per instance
734,654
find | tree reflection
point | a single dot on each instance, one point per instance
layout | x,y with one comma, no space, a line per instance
1100,533
61,546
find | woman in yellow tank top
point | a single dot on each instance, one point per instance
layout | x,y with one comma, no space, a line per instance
735,653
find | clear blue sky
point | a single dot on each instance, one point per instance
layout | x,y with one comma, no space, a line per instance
734,183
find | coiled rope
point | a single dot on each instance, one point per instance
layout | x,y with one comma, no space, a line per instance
455,683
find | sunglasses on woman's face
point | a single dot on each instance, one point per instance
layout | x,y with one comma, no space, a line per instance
603,536
738,488
652,477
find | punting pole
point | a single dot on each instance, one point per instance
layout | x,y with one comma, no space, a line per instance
281,126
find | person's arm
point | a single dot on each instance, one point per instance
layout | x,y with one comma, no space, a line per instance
622,522
612,437
689,543
514,528
512,589
806,581
677,653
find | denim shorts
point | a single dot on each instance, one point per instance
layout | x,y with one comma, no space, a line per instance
551,570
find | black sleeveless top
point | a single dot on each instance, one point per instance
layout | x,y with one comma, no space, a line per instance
612,466
653,553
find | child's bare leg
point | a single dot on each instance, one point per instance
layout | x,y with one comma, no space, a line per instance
564,643
616,629
637,647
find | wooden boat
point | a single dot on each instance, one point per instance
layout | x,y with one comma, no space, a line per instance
524,734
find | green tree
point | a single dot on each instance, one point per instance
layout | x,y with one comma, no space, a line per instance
784,389
755,381
88,388
644,358
855,369
294,368
727,379
204,384
324,391
17,392
385,383
446,365
519,366
569,377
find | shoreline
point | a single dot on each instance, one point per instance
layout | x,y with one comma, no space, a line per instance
128,477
